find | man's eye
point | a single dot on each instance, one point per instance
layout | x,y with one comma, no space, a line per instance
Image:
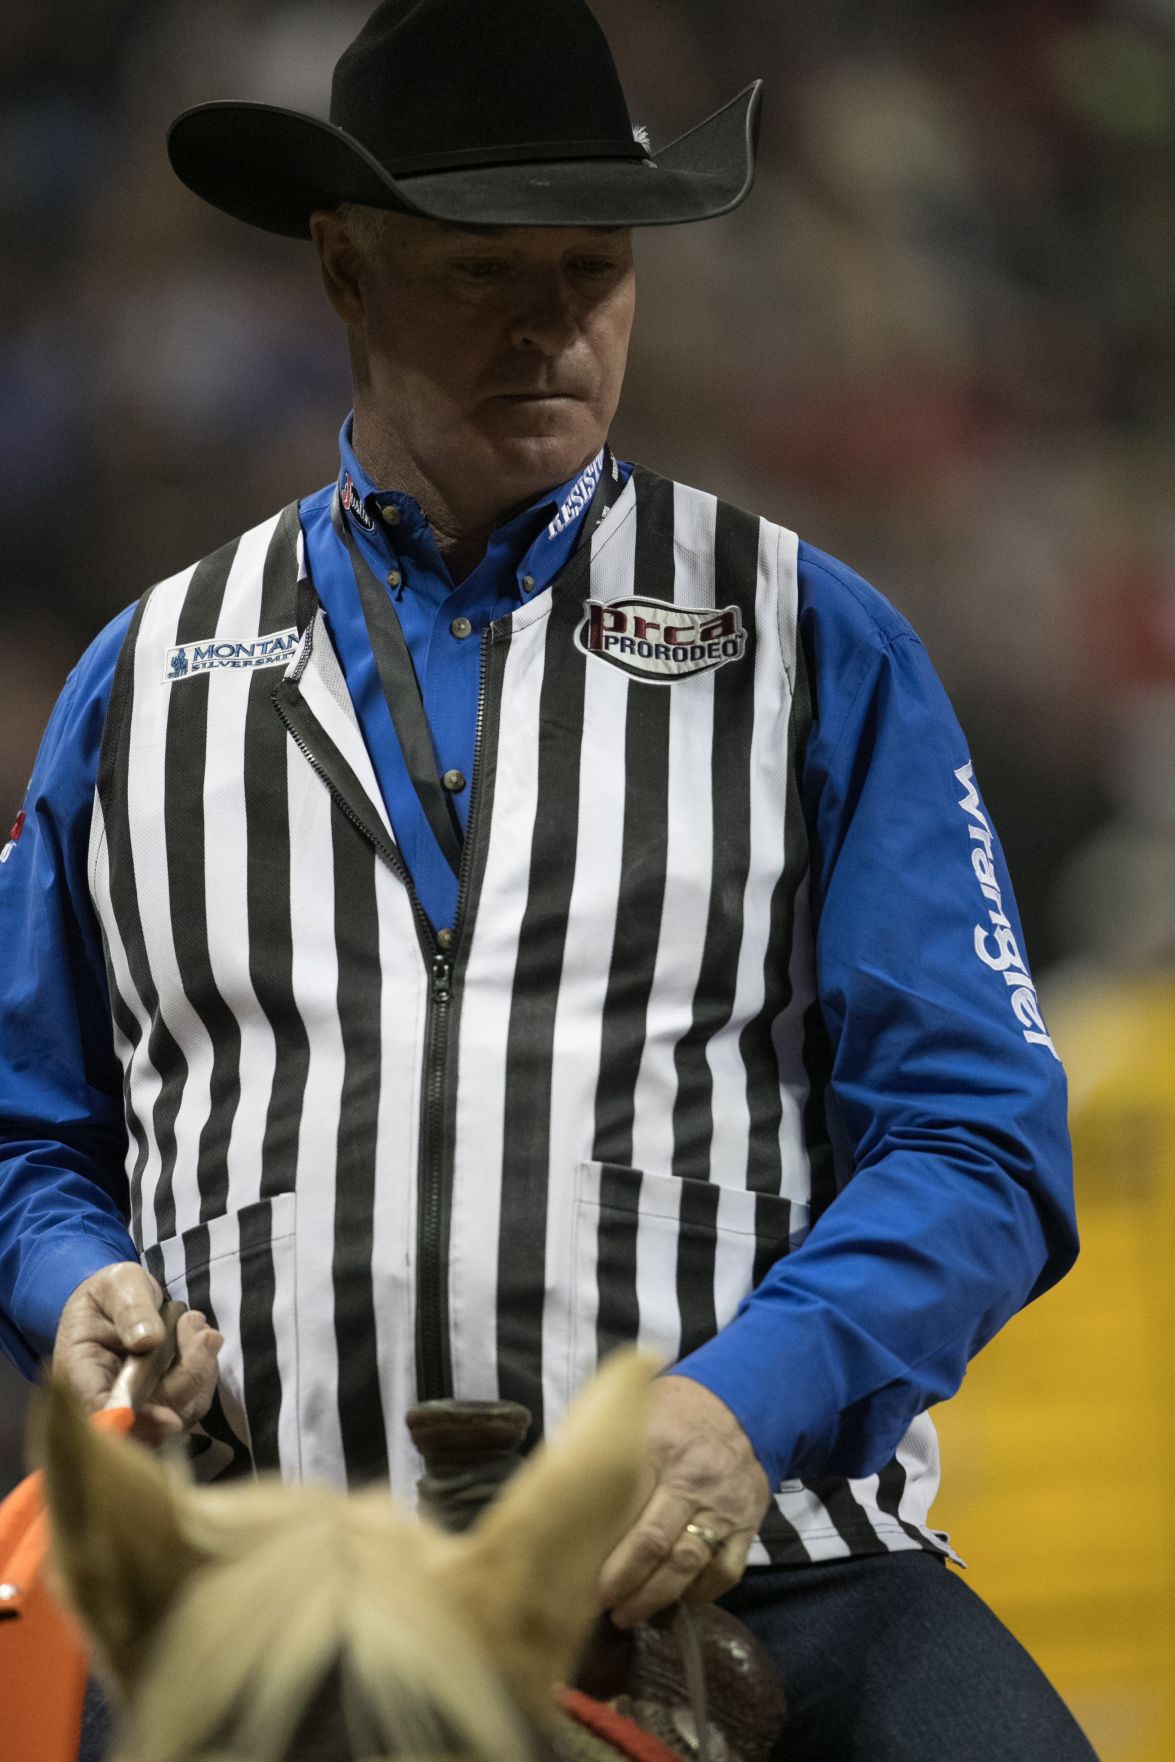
480,268
597,266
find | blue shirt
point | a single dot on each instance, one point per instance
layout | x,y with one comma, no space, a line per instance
442,626
946,1100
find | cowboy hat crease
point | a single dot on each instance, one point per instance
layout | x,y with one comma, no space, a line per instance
473,112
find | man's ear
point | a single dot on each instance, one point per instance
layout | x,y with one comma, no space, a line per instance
526,1577
341,262
118,1543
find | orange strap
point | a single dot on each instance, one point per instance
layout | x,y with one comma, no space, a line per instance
44,1661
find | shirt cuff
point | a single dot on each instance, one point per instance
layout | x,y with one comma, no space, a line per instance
51,1278
783,1367
739,1365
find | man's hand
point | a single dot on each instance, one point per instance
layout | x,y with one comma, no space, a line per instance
116,1311
707,1474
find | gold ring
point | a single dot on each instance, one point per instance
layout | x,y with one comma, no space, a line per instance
704,1534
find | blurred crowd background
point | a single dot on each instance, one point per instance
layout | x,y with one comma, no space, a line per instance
939,342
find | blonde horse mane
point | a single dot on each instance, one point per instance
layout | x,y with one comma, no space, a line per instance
322,1582
227,1618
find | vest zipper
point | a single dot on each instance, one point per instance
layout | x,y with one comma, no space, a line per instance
433,1382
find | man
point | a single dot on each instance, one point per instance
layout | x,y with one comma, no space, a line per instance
489,912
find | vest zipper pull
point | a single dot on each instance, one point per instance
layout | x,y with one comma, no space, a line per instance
442,969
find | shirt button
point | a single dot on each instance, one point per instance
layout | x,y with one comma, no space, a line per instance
446,938
394,578
528,583
460,627
454,781
391,514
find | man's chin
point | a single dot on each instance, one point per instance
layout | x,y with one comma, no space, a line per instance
536,456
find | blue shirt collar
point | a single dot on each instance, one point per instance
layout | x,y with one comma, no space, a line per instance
539,538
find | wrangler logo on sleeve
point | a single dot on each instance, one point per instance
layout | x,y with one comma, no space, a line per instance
996,946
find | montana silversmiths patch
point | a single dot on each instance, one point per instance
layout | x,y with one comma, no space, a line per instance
215,652
661,642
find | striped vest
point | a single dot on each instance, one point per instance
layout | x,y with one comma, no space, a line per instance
392,1169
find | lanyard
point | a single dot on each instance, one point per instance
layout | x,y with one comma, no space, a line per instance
397,675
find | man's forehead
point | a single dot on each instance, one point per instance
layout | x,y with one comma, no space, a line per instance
450,227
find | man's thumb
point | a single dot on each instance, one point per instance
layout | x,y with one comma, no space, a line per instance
133,1305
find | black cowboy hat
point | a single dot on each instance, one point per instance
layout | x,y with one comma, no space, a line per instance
477,112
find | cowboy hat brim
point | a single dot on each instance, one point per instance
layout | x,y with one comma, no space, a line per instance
274,168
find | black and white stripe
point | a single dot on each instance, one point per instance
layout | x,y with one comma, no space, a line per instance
626,1110
269,1139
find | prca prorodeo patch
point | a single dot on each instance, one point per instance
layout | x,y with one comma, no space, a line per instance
658,641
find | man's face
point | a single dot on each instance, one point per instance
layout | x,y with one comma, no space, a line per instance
495,357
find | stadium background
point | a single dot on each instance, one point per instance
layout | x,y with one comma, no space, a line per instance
938,341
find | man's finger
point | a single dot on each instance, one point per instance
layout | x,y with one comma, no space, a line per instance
724,1571
690,1560
157,1425
187,1388
647,1545
185,1393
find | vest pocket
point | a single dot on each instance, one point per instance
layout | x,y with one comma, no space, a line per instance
664,1262
240,1270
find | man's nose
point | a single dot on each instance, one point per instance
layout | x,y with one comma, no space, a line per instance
548,320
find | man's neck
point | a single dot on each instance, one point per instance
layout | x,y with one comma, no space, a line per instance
461,541
462,534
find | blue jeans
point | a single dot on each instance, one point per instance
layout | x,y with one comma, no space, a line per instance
891,1658
96,1725
885,1659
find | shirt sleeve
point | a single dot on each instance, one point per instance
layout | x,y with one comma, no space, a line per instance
63,1193
951,1200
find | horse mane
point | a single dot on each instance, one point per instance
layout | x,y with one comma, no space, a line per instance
271,1623
331,1606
